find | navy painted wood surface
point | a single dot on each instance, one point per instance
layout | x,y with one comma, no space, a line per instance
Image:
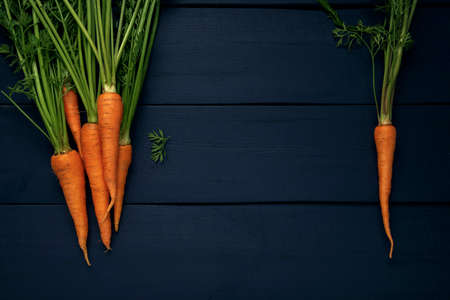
282,3
230,252
241,55
254,154
269,190
280,55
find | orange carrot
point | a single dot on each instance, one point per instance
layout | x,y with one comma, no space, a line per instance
90,141
110,110
125,152
72,113
68,167
385,136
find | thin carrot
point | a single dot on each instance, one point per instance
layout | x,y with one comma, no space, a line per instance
90,142
125,154
110,110
392,38
72,113
68,167
133,68
385,136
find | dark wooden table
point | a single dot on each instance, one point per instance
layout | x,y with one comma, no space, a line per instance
270,188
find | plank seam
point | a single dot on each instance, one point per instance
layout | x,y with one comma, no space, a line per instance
268,104
303,203
291,6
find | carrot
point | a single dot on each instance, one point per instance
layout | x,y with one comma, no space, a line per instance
133,68
68,167
110,110
125,154
385,136
90,141
72,113
391,38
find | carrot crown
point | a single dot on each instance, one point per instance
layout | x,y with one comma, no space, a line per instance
390,37
43,73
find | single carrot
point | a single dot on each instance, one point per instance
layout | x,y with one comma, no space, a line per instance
90,141
68,167
125,154
385,136
110,110
72,113
132,69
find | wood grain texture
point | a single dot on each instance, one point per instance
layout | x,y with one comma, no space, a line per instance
241,55
229,252
255,201
277,3
253,154
280,55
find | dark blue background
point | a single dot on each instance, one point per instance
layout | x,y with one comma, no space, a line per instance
270,188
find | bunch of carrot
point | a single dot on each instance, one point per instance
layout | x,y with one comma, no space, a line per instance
86,49
392,38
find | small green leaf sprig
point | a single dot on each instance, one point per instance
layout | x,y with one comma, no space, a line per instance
159,141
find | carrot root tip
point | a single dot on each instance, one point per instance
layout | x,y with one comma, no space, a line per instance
85,253
116,227
392,250
110,206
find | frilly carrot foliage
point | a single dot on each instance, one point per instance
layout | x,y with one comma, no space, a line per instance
391,37
159,141
43,73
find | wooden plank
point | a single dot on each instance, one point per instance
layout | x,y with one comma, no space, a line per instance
280,55
207,55
221,154
281,3
229,252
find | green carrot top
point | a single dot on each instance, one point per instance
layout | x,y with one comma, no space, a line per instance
391,37
135,61
44,74
72,47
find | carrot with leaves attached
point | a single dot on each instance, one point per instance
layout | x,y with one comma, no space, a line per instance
391,38
74,50
132,70
43,77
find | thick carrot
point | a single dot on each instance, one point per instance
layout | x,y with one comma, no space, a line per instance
110,110
72,113
125,154
385,136
90,141
68,167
